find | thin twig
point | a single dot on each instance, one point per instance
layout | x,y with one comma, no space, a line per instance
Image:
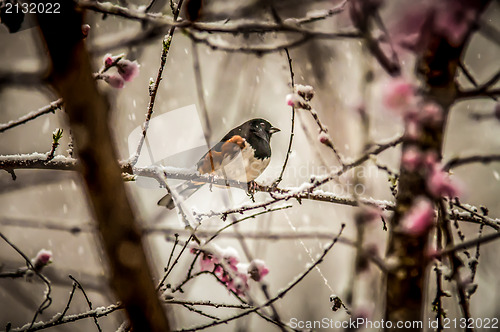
455,264
477,93
243,219
162,281
292,134
71,294
458,161
98,312
47,300
314,18
268,48
199,312
483,219
167,40
209,304
467,244
86,299
51,108
175,261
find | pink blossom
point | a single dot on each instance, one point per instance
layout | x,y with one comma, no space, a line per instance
85,30
406,31
238,284
208,262
413,130
116,81
453,19
419,218
235,280
257,269
127,69
231,257
43,257
430,161
411,159
109,59
224,264
294,100
431,113
440,184
324,138
398,94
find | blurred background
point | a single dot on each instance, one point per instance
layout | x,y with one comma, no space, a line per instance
38,209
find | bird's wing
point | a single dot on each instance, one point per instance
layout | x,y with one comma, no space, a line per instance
226,148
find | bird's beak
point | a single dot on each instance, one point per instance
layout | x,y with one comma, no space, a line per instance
273,130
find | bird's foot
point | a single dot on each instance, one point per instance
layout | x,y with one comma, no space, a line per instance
252,188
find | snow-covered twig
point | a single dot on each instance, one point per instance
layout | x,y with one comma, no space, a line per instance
167,40
292,134
51,108
55,321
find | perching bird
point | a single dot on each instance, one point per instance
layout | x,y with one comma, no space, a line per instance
251,139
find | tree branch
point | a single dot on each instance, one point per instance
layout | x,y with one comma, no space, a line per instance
88,113
51,108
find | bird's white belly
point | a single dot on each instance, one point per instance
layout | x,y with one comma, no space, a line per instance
244,167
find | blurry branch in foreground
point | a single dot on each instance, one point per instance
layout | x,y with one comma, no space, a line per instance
88,113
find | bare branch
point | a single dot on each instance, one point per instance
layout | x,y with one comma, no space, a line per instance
47,298
167,40
51,108
55,321
88,113
292,134
460,161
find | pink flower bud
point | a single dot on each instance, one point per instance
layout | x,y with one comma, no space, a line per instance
257,269
453,20
207,262
108,59
431,113
230,255
116,81
128,69
398,94
324,138
85,30
43,257
440,184
413,129
419,218
411,159
430,161
293,100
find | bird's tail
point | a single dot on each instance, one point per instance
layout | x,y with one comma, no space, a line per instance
183,190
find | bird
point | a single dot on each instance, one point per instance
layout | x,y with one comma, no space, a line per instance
251,139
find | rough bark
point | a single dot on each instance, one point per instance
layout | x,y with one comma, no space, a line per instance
405,290
88,114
